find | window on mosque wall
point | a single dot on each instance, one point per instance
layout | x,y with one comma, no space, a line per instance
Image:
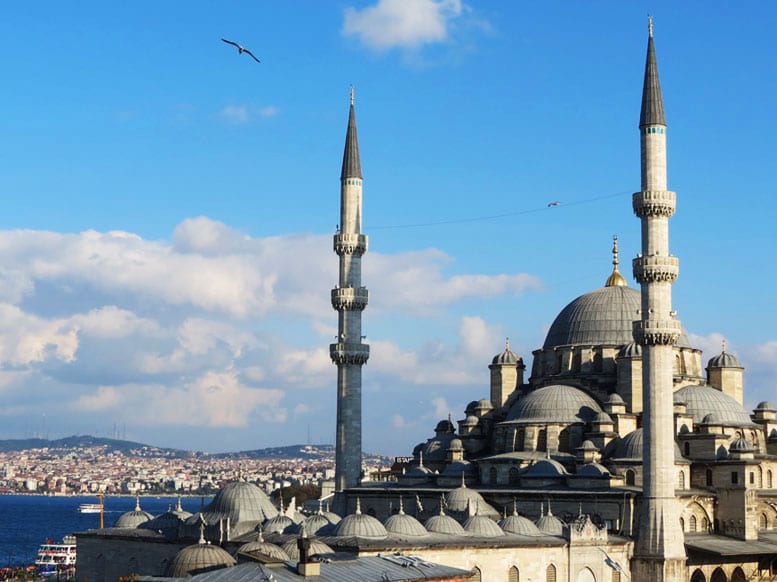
709,477
763,522
630,477
550,573
477,576
769,478
513,575
692,523
752,478
681,480
734,477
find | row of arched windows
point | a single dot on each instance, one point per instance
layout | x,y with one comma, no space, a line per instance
718,575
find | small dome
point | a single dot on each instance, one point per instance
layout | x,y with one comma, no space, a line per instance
558,404
519,525
630,350
201,557
702,400
332,516
261,549
546,468
630,447
482,526
593,470
602,418
279,524
724,360
445,427
360,525
456,445
459,468
435,449
317,547
317,525
551,525
166,523
458,500
484,404
239,501
134,518
711,419
765,405
741,445
444,524
471,407
507,357
471,420
587,445
404,525
419,472
615,398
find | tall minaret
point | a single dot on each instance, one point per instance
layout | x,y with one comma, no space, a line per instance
659,553
349,298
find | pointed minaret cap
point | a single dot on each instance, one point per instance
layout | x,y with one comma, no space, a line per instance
352,167
652,103
615,279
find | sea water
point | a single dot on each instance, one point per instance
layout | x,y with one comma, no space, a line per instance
26,521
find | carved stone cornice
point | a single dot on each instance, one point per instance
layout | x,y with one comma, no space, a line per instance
656,269
654,203
657,332
350,298
350,244
349,353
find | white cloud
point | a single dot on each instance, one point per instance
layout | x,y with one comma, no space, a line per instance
269,111
710,344
236,114
402,23
441,408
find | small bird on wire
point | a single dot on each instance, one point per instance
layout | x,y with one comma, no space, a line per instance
241,49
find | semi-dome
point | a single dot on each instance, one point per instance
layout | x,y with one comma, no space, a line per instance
629,447
545,468
200,557
317,547
404,525
593,470
602,317
360,525
460,468
239,501
557,404
482,526
724,360
702,400
443,524
134,518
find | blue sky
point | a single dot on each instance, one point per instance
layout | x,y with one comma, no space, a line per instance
168,205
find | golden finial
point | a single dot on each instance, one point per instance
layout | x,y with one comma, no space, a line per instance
352,94
650,26
615,279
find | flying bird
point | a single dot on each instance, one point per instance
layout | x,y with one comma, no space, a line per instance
241,49
556,203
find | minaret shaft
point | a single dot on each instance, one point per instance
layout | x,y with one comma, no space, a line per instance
659,553
349,298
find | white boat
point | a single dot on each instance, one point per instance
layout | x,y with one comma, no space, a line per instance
57,559
89,508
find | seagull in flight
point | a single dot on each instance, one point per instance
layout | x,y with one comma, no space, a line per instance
241,49
555,203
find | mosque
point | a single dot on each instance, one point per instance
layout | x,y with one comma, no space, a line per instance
618,456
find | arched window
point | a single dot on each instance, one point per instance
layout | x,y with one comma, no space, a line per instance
563,440
630,477
542,440
492,475
763,521
681,480
520,436
698,576
513,476
692,523
769,478
550,573
705,524
718,576
687,449
477,576
752,478
738,575
708,477
586,575
682,524
513,575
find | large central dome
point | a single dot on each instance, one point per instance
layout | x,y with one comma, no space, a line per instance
601,317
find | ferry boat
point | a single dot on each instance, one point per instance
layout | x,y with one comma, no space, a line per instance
59,559
89,508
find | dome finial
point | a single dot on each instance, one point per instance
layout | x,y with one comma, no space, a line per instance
650,26
507,344
515,506
724,345
358,506
615,279
137,501
401,506
651,34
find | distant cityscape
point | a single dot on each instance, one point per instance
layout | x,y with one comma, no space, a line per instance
89,465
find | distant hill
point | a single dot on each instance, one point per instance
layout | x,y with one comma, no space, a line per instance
309,452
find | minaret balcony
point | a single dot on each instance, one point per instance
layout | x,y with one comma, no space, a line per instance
350,298
349,353
656,269
654,203
657,332
350,244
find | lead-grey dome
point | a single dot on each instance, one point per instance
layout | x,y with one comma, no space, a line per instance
444,524
317,524
703,400
630,447
557,404
238,501
482,526
741,445
545,468
724,360
134,518
550,524
316,547
280,524
519,525
200,557
404,525
261,549
360,525
601,317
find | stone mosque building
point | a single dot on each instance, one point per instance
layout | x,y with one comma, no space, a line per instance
618,455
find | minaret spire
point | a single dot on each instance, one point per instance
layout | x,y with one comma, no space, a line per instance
349,298
659,551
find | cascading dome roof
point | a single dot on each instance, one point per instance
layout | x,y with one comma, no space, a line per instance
559,404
